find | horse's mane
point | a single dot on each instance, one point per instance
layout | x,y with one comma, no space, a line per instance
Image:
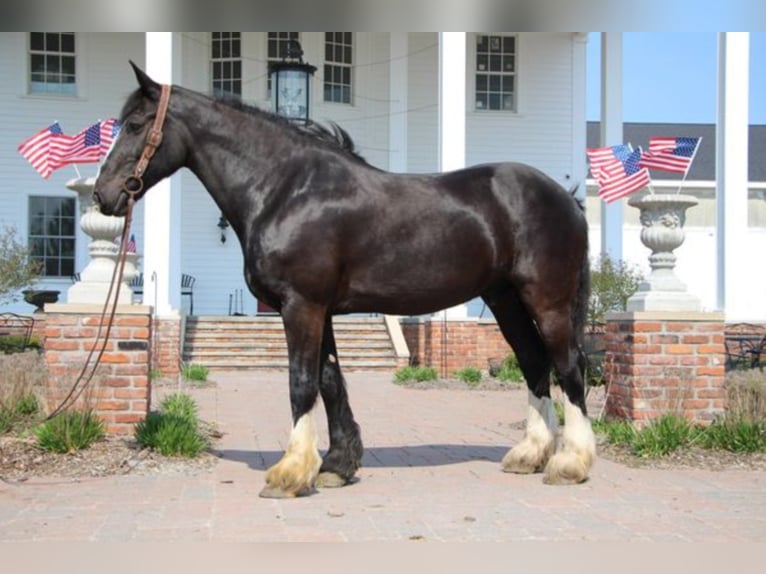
331,135
334,136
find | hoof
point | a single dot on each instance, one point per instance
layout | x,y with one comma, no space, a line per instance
519,464
527,457
273,492
566,468
330,480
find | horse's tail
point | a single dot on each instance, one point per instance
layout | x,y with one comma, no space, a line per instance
580,309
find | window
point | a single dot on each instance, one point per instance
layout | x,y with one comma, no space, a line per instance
496,73
337,67
226,62
52,234
277,49
52,63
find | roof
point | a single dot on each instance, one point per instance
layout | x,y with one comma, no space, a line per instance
703,166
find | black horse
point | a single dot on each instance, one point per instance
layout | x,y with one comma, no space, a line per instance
325,233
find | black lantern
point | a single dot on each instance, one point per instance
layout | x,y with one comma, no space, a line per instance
222,225
291,84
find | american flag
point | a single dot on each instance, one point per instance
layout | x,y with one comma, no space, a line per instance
131,246
109,130
673,154
84,147
629,178
607,161
36,149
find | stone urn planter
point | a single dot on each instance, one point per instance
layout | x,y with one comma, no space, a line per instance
96,278
39,297
663,217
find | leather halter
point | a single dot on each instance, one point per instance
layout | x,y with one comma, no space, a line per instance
134,183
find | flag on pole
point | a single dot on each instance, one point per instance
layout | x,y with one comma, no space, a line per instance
624,177
131,246
673,154
605,161
84,147
108,133
36,149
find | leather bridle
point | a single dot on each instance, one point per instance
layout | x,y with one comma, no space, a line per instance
134,183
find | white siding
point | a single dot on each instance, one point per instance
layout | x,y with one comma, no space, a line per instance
423,124
540,133
104,80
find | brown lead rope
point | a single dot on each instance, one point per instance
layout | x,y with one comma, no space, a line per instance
82,380
132,185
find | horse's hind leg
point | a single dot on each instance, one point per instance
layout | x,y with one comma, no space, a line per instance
539,443
577,451
296,471
344,456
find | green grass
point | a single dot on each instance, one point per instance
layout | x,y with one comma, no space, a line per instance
195,372
670,433
418,373
736,436
510,370
173,430
70,431
471,376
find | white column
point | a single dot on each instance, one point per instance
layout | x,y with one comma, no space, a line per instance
611,134
579,113
452,87
397,93
732,174
162,209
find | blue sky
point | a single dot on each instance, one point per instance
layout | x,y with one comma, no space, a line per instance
671,77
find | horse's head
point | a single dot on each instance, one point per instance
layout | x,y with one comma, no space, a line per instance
119,177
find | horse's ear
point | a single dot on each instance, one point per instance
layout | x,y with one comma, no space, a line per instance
149,87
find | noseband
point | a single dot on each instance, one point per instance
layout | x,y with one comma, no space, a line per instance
134,183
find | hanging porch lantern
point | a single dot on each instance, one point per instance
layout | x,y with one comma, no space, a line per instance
291,84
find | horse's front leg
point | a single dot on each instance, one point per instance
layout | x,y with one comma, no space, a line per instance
296,471
344,456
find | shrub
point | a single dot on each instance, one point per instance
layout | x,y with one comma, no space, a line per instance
471,376
23,380
195,372
746,395
510,370
417,373
611,285
70,431
17,269
174,430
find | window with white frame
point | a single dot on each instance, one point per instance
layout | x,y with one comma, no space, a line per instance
52,63
226,62
338,57
277,49
496,83
52,223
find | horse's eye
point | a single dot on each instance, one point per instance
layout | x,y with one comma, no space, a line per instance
132,127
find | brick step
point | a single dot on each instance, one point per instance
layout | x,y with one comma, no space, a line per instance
257,343
347,365
209,353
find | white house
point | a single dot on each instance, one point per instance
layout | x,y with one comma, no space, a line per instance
524,100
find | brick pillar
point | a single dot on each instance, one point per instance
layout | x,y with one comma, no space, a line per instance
167,345
454,345
120,390
665,363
